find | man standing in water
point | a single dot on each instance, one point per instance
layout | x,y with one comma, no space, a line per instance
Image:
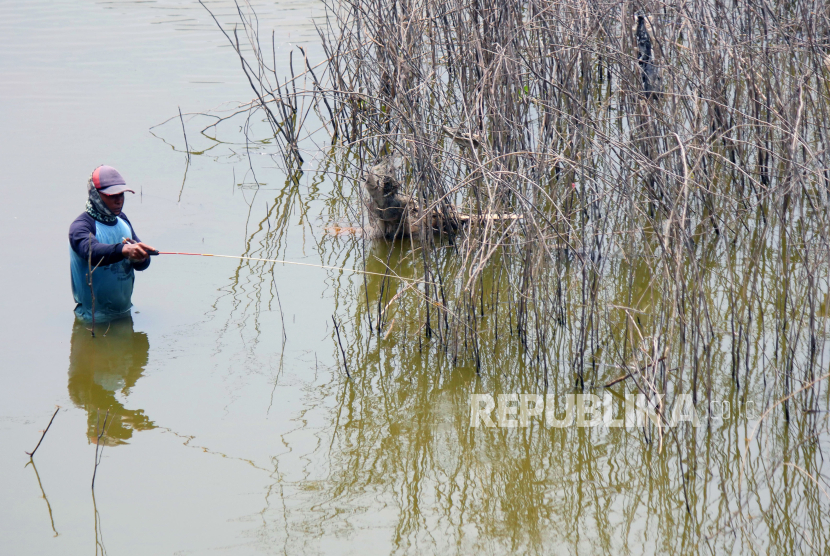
117,252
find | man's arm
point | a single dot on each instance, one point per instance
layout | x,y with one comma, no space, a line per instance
144,264
103,254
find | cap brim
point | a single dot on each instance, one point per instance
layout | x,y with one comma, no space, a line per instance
115,190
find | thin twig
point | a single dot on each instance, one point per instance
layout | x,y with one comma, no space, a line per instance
342,351
98,444
42,436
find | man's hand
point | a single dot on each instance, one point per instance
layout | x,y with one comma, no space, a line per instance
136,252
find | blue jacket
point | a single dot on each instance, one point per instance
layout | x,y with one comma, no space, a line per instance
113,279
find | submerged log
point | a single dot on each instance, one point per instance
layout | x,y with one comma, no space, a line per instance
393,215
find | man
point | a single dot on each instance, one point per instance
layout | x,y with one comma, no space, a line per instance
116,250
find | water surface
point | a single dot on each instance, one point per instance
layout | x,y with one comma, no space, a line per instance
235,429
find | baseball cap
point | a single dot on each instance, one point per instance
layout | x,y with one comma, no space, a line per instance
108,181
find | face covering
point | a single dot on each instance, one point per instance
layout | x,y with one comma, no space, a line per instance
95,206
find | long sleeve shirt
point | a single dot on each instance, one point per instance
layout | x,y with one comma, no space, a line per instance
113,274
103,254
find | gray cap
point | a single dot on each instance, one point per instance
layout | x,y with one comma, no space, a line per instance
108,181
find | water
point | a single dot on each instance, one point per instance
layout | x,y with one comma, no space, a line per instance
235,430
83,83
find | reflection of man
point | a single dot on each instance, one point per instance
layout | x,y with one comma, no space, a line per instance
100,367
116,250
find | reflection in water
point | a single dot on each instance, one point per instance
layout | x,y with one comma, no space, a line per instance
99,535
401,458
102,366
395,456
43,495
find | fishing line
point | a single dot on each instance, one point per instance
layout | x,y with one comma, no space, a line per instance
354,270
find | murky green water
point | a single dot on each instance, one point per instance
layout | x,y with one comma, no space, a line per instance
235,429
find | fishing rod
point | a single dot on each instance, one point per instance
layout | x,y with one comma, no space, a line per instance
238,257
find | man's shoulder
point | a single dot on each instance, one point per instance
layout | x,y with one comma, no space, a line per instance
84,220
80,228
